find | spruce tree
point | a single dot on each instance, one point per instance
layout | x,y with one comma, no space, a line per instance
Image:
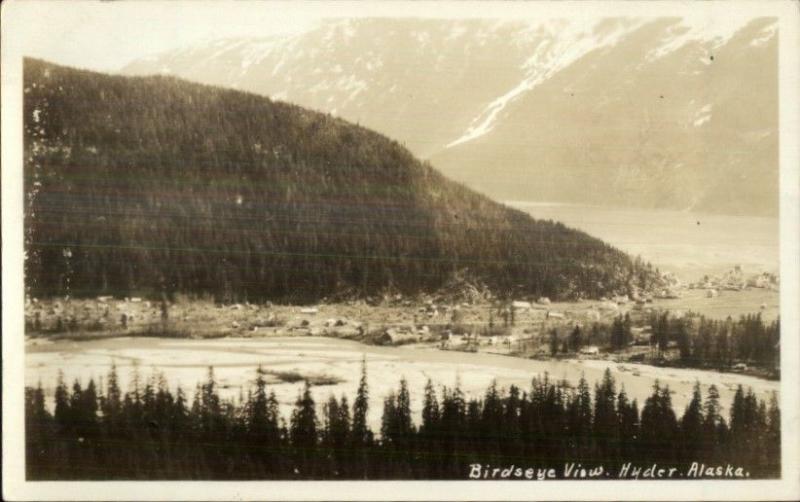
112,401
492,419
576,339
627,422
605,418
714,426
684,342
330,418
582,421
691,426
341,436
262,420
303,433
405,424
37,434
430,411
362,435
773,437
511,445
63,414
553,342
429,429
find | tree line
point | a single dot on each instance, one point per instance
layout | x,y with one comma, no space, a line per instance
153,186
696,340
149,432
720,343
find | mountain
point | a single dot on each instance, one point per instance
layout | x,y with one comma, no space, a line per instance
674,113
149,185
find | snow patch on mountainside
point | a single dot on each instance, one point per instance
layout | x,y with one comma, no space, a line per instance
254,53
352,85
702,116
560,44
765,35
712,32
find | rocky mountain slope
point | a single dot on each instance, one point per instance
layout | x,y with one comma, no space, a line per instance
663,112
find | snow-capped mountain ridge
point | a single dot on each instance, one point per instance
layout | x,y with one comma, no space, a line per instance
551,55
568,110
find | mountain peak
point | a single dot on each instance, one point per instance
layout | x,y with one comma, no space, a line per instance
567,110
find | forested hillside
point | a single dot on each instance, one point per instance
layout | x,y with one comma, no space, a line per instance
156,185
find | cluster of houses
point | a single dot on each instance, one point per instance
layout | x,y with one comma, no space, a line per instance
736,280
513,326
669,290
401,335
466,341
540,304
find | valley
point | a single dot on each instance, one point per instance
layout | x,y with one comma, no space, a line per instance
426,266
688,244
351,242
632,112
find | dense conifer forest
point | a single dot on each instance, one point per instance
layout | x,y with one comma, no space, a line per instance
717,344
153,186
99,432
693,340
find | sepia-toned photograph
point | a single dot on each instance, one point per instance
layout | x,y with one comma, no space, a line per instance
474,242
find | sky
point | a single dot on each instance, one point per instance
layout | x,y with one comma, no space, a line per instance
106,35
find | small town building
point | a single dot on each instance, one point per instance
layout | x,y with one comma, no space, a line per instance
454,339
394,336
